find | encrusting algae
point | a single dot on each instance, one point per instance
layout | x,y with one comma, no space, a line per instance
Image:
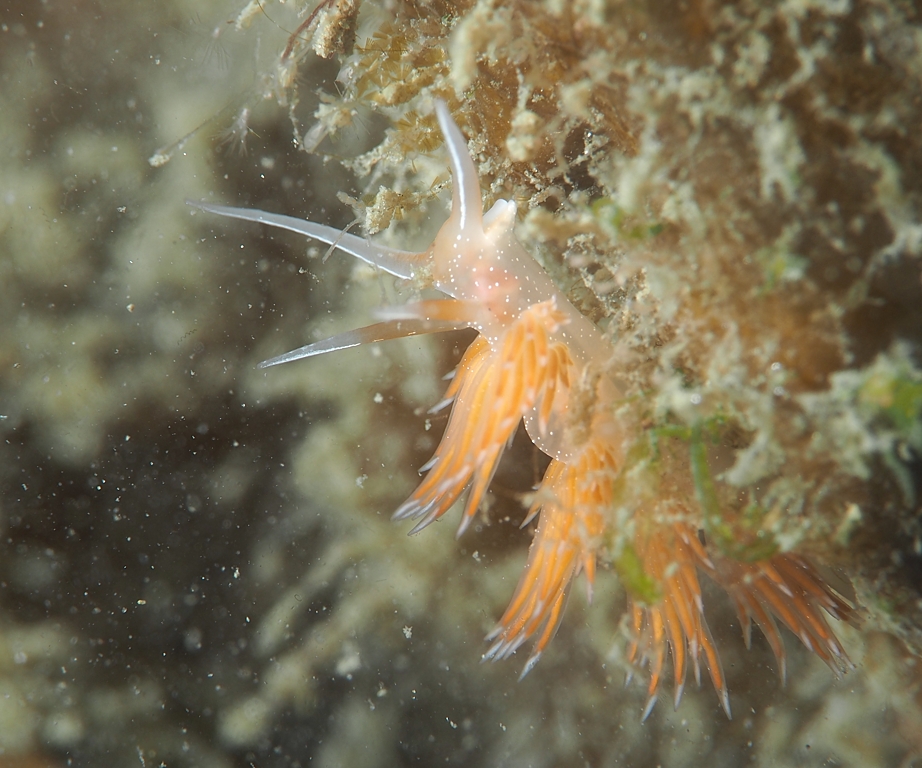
533,354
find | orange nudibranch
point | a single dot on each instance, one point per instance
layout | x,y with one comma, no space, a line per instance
533,348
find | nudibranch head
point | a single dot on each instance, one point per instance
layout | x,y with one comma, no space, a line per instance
475,257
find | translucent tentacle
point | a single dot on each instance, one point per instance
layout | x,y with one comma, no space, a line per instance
466,202
403,264
390,329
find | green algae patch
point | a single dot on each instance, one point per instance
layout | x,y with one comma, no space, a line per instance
639,584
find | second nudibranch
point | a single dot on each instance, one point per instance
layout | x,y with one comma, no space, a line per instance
533,348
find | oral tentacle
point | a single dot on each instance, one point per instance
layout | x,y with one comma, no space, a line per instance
389,329
403,264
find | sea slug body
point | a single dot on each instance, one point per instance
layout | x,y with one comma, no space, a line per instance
534,354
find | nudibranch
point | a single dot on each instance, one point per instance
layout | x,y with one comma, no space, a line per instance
537,359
